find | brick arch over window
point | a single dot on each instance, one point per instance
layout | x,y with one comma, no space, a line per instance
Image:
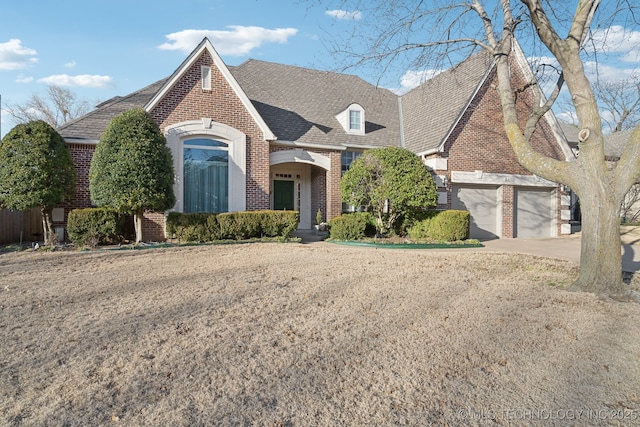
176,135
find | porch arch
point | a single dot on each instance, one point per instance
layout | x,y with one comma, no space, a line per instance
300,156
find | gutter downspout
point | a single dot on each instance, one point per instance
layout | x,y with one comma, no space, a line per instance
400,117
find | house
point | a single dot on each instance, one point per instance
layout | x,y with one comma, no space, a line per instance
271,136
454,122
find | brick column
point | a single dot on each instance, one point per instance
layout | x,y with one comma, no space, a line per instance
507,211
334,199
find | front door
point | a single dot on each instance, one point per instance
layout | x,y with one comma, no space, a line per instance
283,195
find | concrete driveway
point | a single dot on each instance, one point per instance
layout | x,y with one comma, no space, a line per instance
567,247
562,248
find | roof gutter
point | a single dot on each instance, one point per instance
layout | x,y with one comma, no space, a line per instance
83,141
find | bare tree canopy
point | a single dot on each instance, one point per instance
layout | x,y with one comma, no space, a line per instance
59,106
436,34
619,102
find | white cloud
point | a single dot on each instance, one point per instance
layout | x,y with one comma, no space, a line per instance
83,80
71,64
14,56
24,79
356,15
567,117
412,79
236,41
607,73
616,40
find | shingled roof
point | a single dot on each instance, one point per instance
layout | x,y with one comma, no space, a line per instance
433,108
301,104
614,144
298,104
89,128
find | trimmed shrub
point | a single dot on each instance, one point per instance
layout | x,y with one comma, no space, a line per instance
279,223
443,226
91,226
239,225
191,227
207,227
352,226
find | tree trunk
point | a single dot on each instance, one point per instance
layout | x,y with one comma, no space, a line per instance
50,237
137,222
601,253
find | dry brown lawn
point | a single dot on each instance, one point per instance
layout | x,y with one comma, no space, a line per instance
308,335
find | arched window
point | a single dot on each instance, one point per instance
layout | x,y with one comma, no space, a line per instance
209,159
206,175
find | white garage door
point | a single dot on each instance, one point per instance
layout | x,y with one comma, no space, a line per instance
534,217
482,204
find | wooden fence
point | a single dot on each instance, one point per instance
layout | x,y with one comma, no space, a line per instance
13,223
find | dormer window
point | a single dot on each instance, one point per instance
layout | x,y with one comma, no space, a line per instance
352,119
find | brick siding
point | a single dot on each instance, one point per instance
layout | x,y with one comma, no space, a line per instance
479,142
188,101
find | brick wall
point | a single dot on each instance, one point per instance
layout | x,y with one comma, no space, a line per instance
153,224
318,192
188,101
508,215
479,142
81,155
334,199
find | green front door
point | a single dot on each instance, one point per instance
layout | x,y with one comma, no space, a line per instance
283,193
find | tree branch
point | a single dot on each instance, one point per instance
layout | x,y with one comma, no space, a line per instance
538,113
627,172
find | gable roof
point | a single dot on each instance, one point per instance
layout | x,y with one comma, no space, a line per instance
301,104
88,128
206,46
431,110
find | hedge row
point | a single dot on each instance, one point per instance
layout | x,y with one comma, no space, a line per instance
208,227
442,226
92,226
439,226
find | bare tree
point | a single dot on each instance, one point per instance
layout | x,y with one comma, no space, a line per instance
58,107
630,208
619,101
441,29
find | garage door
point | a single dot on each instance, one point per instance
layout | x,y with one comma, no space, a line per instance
482,204
534,217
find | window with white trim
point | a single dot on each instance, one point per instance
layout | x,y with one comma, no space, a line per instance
206,175
352,119
206,77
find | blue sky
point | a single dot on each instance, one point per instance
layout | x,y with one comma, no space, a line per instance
100,50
